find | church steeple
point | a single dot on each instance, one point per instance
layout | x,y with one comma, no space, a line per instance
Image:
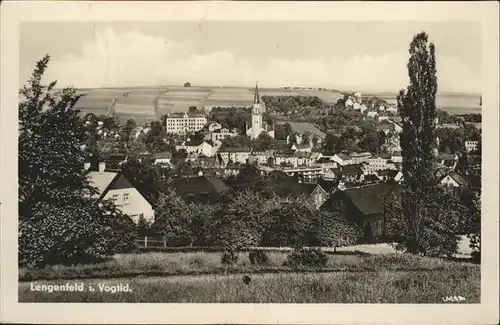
256,99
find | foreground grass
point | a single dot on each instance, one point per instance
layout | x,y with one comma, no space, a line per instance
385,286
171,264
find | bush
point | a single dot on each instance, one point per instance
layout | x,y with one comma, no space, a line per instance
258,257
229,257
306,257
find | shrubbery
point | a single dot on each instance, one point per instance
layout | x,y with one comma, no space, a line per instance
306,257
258,257
229,257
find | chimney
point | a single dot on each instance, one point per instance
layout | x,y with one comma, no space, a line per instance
86,165
102,166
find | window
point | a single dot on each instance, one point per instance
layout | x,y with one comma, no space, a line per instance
114,198
126,198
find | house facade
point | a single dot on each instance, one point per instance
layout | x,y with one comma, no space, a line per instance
114,186
471,145
184,123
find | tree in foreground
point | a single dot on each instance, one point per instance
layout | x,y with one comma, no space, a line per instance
424,229
332,229
60,221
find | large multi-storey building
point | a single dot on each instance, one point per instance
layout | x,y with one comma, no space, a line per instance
184,122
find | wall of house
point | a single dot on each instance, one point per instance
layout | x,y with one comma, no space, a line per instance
449,181
134,206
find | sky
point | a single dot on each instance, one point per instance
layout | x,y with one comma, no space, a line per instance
363,56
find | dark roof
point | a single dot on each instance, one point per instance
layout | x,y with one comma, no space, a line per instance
343,156
325,160
327,185
162,155
197,185
290,186
461,180
446,156
387,172
232,149
369,199
351,169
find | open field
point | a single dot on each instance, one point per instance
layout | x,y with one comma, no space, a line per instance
179,99
197,263
340,287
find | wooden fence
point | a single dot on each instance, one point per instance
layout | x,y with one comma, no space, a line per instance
152,241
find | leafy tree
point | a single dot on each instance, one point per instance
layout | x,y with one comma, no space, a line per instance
173,220
130,125
263,142
202,216
237,224
290,224
438,227
60,221
331,228
251,179
370,142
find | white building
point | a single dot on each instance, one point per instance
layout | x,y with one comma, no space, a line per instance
358,158
379,163
342,159
214,126
203,148
235,155
222,134
258,125
184,123
471,145
116,187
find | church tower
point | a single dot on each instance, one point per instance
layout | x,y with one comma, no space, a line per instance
257,126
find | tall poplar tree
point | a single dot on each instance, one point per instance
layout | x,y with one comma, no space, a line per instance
420,196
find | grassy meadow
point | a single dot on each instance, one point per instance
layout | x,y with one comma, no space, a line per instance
201,278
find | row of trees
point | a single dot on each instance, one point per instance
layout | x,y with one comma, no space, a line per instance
246,219
294,106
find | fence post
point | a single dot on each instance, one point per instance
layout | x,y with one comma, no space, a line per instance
145,241
164,241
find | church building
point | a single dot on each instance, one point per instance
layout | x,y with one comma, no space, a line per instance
258,125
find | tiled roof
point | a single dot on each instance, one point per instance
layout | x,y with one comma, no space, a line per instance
101,180
238,149
369,199
343,156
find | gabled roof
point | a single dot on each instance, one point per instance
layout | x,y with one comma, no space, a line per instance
461,180
328,186
343,156
351,169
107,180
238,149
162,155
325,160
360,154
198,185
369,199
